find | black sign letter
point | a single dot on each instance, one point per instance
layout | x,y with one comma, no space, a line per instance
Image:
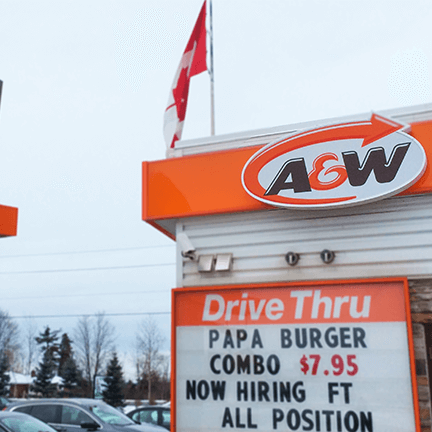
296,168
375,161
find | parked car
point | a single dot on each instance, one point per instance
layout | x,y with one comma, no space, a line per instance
4,402
157,415
17,422
66,415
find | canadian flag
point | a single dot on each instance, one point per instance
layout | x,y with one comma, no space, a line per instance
192,63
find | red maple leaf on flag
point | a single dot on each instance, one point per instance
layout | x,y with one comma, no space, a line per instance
192,63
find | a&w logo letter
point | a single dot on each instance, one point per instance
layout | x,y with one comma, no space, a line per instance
343,164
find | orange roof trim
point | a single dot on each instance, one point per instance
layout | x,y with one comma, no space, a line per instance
210,183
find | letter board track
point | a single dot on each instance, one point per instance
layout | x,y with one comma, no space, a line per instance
315,356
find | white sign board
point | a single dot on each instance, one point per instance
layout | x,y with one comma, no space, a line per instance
310,357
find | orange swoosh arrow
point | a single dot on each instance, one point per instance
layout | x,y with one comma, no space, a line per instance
380,127
369,130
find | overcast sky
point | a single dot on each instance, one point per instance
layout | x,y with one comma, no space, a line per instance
85,87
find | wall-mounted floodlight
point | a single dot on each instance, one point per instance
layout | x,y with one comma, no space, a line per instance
327,256
223,262
206,263
292,258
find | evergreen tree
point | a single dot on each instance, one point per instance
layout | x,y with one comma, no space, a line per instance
49,341
113,393
65,353
44,375
4,376
71,376
67,368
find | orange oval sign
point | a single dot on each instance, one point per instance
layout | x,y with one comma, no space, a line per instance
337,165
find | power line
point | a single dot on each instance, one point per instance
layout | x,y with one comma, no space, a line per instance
84,295
91,315
88,269
87,251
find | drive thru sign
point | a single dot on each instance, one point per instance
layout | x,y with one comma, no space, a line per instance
322,356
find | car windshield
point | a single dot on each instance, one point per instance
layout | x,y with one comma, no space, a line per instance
29,424
110,415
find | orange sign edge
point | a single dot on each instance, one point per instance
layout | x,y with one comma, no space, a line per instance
8,221
414,384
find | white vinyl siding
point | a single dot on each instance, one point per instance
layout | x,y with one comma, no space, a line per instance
388,238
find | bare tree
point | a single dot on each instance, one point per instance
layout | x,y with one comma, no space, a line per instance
9,345
93,338
30,345
150,341
83,343
103,341
137,359
165,366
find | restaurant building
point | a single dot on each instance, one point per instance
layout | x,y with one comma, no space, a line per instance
275,224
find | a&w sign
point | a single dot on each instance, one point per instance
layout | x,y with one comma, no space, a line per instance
337,165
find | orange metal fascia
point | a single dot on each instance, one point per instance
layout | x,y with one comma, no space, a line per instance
197,185
210,183
422,132
8,221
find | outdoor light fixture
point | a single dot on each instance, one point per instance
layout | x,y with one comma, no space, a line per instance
327,256
292,258
223,262
205,263
210,263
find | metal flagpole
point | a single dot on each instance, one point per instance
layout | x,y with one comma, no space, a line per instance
211,72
